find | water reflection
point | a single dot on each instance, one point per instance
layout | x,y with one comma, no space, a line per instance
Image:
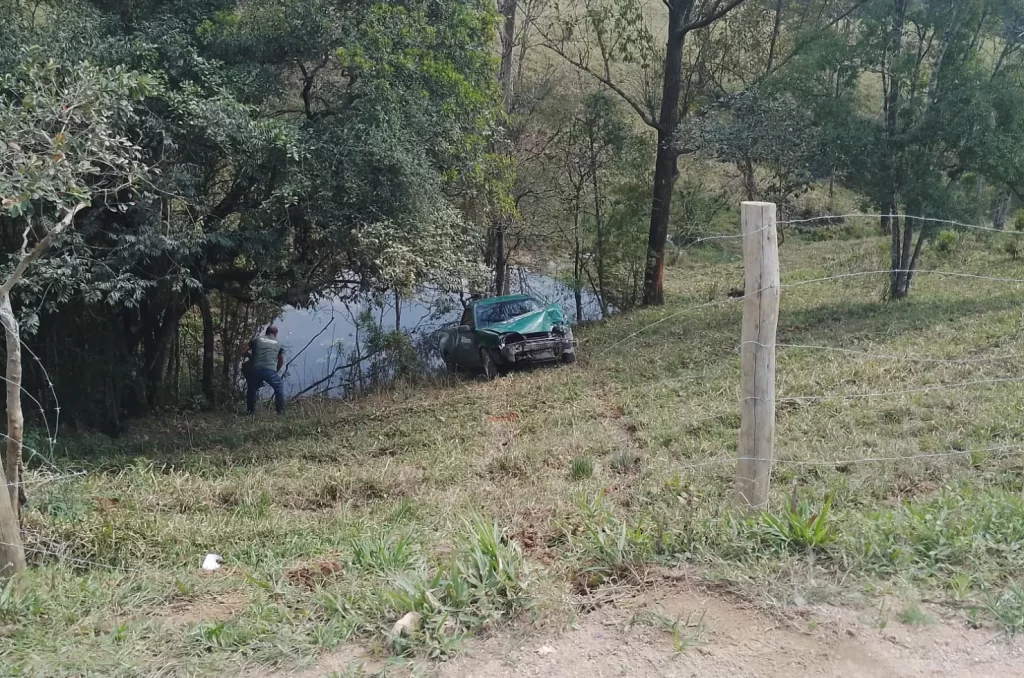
320,340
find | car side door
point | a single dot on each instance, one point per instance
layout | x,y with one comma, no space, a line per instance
465,339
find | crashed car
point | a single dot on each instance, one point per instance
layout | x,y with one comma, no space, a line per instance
500,333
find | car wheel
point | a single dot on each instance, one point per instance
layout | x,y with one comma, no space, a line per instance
569,357
487,364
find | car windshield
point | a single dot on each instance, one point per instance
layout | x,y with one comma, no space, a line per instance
499,312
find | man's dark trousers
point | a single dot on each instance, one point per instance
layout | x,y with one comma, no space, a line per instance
255,379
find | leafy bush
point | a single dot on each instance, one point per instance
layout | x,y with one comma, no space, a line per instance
1018,222
945,242
1013,247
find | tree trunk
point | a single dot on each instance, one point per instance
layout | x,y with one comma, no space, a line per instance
502,224
500,256
599,230
12,553
1001,209
913,263
15,416
894,249
900,245
398,312
208,349
508,46
666,170
577,284
776,28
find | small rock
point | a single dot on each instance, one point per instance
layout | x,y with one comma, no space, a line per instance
211,563
545,650
799,601
851,633
406,625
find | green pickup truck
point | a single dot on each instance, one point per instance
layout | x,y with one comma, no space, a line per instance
499,333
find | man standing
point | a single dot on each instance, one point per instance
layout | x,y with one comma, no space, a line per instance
266,358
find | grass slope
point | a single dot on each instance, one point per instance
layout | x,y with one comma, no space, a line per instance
472,502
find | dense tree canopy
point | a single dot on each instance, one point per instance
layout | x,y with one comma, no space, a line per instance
289,149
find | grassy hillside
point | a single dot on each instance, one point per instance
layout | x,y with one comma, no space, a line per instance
541,494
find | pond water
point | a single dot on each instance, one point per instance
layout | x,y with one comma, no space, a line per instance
321,339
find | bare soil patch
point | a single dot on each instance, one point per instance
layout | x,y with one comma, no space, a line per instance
720,637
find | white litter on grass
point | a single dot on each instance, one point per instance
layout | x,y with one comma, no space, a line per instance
212,562
546,650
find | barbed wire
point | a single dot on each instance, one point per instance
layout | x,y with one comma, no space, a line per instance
838,217
855,460
77,561
46,480
879,394
802,283
888,356
864,215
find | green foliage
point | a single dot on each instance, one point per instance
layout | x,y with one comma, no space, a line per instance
945,242
1013,246
581,468
913,615
595,162
264,152
65,139
607,549
802,526
1018,221
769,136
1008,609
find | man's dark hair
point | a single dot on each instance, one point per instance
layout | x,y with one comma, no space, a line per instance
272,331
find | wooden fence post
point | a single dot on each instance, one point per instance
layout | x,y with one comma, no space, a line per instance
757,353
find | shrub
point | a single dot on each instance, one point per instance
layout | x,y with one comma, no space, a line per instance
1018,222
945,242
1013,247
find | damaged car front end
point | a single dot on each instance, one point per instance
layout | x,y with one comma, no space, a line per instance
502,333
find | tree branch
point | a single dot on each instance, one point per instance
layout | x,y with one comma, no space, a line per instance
711,17
41,246
607,82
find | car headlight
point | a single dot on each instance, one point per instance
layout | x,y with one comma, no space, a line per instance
501,342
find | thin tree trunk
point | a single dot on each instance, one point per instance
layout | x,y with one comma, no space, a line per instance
577,280
913,263
599,227
500,256
1001,209
894,232
208,349
776,28
503,222
666,170
508,47
15,416
398,312
891,161
906,251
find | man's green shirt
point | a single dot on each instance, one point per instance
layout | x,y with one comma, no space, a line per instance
265,351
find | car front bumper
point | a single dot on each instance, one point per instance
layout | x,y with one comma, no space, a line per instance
538,350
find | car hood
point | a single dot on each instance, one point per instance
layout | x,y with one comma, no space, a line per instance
538,321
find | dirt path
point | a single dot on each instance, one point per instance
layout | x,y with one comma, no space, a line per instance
722,638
